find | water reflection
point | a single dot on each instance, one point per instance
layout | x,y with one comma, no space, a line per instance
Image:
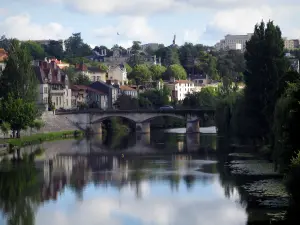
89,188
145,143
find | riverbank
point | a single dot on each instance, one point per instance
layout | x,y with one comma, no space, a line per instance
42,137
261,188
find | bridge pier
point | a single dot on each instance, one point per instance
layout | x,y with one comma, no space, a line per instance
96,128
192,124
143,127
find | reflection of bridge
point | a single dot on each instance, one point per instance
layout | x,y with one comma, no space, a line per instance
143,145
91,119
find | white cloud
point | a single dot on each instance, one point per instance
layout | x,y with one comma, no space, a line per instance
129,29
143,7
242,20
151,209
21,27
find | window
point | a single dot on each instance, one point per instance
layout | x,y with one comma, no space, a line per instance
45,100
45,90
56,100
94,78
98,78
60,100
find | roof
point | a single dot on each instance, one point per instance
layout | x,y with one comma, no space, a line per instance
126,88
86,88
42,71
182,82
3,54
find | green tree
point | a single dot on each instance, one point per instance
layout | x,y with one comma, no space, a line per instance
35,50
5,128
71,72
75,47
140,74
55,49
157,97
207,97
172,56
5,43
126,102
175,71
128,69
18,78
137,55
18,113
265,65
82,80
157,71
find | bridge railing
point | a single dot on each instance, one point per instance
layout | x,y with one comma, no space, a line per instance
114,111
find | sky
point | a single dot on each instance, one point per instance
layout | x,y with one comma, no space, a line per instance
148,21
158,206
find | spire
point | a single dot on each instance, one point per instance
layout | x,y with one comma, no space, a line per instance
174,40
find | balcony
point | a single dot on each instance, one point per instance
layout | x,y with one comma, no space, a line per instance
57,92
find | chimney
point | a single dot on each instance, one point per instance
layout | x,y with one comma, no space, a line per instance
172,79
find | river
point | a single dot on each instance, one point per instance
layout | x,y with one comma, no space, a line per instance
158,179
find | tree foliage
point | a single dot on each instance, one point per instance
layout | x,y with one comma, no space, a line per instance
82,79
175,71
265,65
157,71
140,73
18,78
207,97
18,112
75,47
34,49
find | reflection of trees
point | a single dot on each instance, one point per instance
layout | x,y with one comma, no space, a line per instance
119,141
19,192
78,180
189,181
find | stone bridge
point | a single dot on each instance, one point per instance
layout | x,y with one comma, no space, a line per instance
91,119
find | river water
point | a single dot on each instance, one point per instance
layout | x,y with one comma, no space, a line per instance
157,179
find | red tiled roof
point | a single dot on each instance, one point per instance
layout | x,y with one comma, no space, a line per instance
86,88
3,54
182,82
126,88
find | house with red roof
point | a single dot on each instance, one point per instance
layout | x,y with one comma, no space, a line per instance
85,96
53,84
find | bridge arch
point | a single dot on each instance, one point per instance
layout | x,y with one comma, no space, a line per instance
164,115
100,120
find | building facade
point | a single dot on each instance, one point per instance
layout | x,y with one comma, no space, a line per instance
111,92
119,73
86,96
180,88
126,90
233,42
93,73
53,85
291,44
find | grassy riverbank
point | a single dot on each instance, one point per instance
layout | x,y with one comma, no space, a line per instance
43,137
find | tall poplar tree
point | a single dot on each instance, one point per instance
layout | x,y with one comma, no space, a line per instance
265,65
18,78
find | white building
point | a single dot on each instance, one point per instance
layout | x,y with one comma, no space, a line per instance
54,82
291,44
118,73
126,90
233,42
93,73
180,88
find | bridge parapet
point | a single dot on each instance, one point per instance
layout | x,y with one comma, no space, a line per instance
91,118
